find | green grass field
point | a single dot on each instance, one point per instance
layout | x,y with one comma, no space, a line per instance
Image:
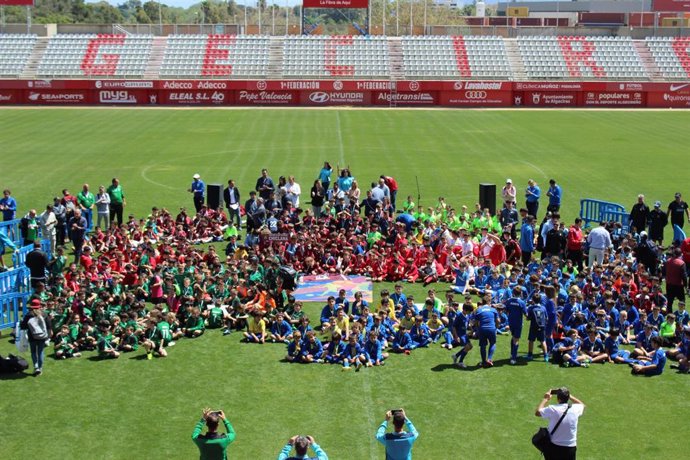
134,408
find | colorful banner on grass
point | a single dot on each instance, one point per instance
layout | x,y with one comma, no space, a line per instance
317,288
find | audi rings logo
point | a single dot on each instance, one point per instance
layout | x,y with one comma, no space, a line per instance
414,86
337,85
319,97
261,85
475,95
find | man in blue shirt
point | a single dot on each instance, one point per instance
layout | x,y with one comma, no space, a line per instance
486,321
516,309
8,205
399,443
197,189
302,445
554,193
532,195
527,239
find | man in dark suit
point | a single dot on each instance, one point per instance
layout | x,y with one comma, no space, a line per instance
231,196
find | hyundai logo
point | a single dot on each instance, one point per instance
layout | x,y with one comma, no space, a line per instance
319,97
475,94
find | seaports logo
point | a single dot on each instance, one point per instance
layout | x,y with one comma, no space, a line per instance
56,97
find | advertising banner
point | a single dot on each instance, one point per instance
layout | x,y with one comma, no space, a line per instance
668,99
266,97
16,2
335,3
57,96
421,98
671,5
195,97
613,99
335,98
125,97
10,96
549,99
476,98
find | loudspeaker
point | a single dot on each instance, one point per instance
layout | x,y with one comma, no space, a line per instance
214,196
487,197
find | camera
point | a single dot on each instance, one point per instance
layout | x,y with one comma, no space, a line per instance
396,411
554,391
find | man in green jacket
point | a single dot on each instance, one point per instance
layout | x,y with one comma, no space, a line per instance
213,445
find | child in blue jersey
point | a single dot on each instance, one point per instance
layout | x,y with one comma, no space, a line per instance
516,310
682,316
374,350
461,336
399,299
281,330
657,363
612,348
601,323
623,326
312,350
353,355
643,342
486,323
682,352
294,348
421,336
593,347
403,343
334,352
537,316
567,352
341,301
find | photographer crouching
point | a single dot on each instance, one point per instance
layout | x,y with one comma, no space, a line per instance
213,445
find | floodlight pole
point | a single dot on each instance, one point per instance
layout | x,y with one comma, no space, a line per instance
287,17
28,19
245,16
383,16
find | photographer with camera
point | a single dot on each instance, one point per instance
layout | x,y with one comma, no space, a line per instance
302,445
398,443
213,445
563,418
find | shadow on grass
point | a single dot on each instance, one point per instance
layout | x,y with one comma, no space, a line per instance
138,357
15,376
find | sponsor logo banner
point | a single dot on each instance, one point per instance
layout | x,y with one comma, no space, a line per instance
671,100
16,2
406,98
335,3
613,99
122,96
476,98
192,97
267,97
550,99
671,5
335,98
183,85
548,86
9,97
57,96
122,84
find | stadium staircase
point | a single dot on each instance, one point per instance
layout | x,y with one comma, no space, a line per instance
395,59
648,61
276,54
31,67
153,68
515,60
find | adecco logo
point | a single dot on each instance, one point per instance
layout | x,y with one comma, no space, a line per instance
475,95
319,97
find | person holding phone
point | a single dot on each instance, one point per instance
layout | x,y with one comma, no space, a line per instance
302,445
213,445
398,443
564,438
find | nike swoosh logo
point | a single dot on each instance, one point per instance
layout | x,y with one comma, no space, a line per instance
677,87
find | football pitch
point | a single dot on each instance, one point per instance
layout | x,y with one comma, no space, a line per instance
133,408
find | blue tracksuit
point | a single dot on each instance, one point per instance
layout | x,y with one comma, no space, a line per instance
486,318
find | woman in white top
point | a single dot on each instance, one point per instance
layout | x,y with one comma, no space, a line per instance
293,191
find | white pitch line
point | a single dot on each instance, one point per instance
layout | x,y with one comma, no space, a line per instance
340,138
143,176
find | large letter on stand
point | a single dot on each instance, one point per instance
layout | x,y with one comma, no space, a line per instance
681,45
331,57
578,52
217,50
463,62
97,63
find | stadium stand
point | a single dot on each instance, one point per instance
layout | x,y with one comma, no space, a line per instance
102,55
671,56
581,58
335,56
455,57
15,50
216,56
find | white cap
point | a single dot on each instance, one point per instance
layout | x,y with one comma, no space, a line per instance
643,233
509,181
196,176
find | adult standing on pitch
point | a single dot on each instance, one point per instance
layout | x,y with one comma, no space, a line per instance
117,200
555,193
77,226
575,241
38,328
599,241
85,200
197,189
392,187
231,196
564,438
8,205
398,443
103,208
527,239
517,310
676,278
509,192
639,215
264,185
213,445
37,261
532,195
677,211
325,175
486,323
60,212
302,445
657,222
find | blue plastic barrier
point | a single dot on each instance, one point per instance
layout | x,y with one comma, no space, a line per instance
12,307
11,228
678,234
15,281
597,211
